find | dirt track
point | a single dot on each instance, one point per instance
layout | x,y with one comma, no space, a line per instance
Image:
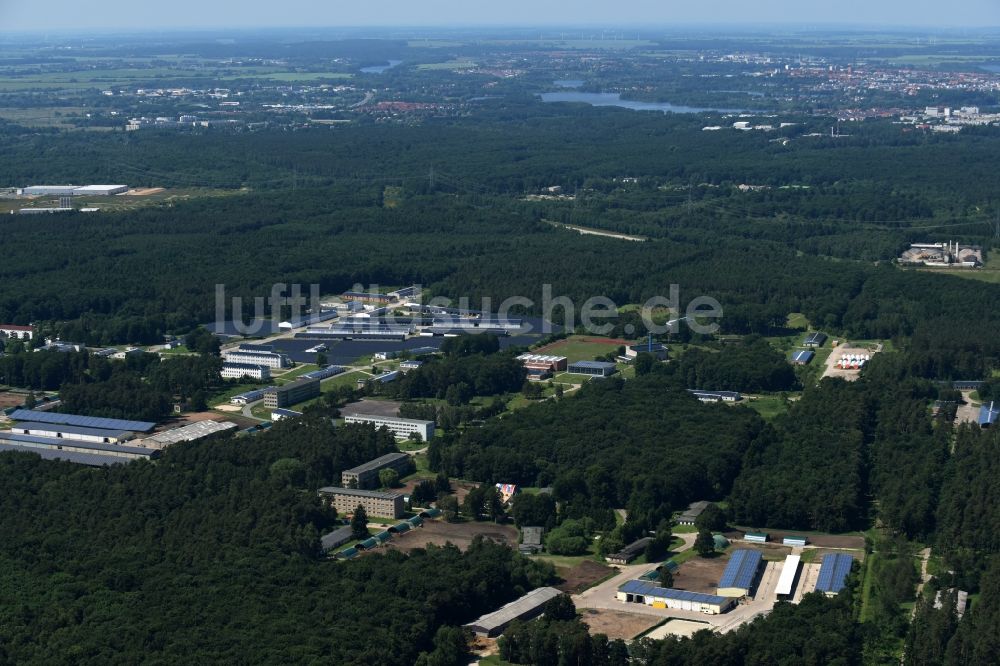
616,624
439,532
583,575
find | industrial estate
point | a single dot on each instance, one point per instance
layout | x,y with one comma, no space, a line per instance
514,346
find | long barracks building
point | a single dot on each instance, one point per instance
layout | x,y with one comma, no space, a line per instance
347,500
366,475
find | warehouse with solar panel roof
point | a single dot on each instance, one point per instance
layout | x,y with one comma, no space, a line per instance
741,574
833,573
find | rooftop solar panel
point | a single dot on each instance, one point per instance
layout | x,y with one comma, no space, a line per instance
55,442
651,590
833,572
741,570
85,421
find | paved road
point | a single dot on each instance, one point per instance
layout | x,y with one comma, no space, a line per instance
604,596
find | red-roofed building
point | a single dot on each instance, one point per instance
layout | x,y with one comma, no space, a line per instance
17,332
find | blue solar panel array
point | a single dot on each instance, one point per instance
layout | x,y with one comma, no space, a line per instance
50,442
85,421
988,414
833,572
741,570
650,590
92,459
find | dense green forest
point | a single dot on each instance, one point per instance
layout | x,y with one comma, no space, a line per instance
646,444
212,555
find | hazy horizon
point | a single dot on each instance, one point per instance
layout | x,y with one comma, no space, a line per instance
68,15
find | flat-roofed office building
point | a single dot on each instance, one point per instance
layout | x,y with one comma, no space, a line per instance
291,393
399,427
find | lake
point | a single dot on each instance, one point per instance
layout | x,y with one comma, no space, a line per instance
615,99
378,69
568,83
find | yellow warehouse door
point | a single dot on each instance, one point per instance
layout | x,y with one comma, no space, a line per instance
659,604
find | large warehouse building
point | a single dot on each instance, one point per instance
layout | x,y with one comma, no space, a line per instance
72,190
346,500
595,368
400,427
694,510
366,475
85,452
641,592
71,433
740,576
526,608
86,440
789,576
833,573
84,421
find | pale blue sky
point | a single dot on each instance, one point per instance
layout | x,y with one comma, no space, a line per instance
115,14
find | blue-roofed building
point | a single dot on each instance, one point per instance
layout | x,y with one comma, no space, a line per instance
323,373
642,592
988,414
37,444
803,357
740,576
84,421
282,413
50,453
833,573
248,397
815,339
595,368
654,348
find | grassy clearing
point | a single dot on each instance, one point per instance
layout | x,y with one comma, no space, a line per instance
866,587
176,351
295,372
769,406
223,398
797,320
988,273
346,379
